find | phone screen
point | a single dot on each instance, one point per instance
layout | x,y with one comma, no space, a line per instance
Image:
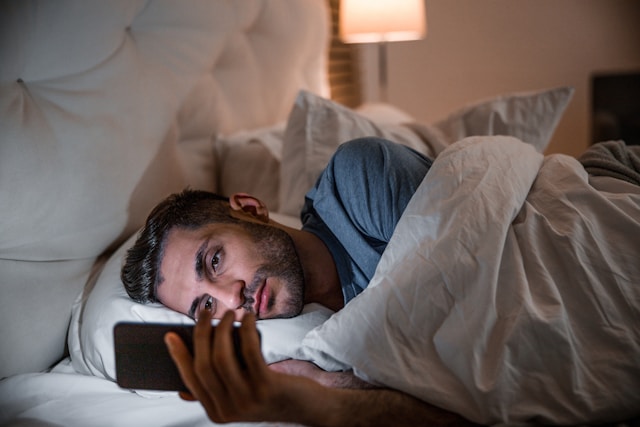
142,359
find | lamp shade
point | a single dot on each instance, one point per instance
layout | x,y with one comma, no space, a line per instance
372,21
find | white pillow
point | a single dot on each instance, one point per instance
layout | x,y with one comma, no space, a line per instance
531,117
316,126
384,114
249,161
93,318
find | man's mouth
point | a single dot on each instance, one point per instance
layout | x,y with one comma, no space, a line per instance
261,297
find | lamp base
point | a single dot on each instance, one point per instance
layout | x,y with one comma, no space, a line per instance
382,71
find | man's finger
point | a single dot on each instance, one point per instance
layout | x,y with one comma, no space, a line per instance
184,395
227,364
211,388
184,362
250,348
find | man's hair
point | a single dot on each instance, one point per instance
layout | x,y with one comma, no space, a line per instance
190,209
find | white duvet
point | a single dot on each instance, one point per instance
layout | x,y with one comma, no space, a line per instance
509,293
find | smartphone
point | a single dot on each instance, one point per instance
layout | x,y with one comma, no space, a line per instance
142,359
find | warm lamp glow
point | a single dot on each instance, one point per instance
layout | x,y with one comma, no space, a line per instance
373,21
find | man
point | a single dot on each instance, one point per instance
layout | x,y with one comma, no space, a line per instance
207,257
200,250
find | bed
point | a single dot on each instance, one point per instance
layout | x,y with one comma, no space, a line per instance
107,107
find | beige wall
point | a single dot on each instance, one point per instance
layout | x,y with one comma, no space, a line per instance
481,48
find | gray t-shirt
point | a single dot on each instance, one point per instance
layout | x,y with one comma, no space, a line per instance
357,202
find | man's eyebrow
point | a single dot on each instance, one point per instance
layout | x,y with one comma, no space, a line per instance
199,268
192,309
199,261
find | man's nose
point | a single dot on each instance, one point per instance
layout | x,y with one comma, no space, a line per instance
230,293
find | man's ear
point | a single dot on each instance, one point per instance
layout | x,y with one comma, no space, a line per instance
243,202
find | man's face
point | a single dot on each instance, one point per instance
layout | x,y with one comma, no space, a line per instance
225,267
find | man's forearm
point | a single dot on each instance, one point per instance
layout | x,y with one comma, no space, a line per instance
291,392
343,380
378,407
346,400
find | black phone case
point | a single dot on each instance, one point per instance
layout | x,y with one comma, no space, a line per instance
142,359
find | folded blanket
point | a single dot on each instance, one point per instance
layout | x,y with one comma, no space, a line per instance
507,294
614,159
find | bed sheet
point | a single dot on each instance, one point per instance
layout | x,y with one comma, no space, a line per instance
63,397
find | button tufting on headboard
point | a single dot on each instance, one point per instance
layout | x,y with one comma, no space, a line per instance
120,96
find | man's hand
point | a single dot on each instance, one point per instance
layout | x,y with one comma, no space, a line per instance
226,390
230,393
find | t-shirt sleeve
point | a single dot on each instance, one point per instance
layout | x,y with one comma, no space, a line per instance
360,197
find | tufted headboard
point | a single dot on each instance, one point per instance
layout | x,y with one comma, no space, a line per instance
105,108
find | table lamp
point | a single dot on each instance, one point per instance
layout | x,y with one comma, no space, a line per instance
382,21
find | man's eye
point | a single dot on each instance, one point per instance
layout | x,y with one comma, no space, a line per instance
215,261
208,303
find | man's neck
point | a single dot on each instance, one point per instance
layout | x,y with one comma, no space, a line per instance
322,284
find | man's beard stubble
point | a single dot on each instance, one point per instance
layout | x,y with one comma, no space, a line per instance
282,261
